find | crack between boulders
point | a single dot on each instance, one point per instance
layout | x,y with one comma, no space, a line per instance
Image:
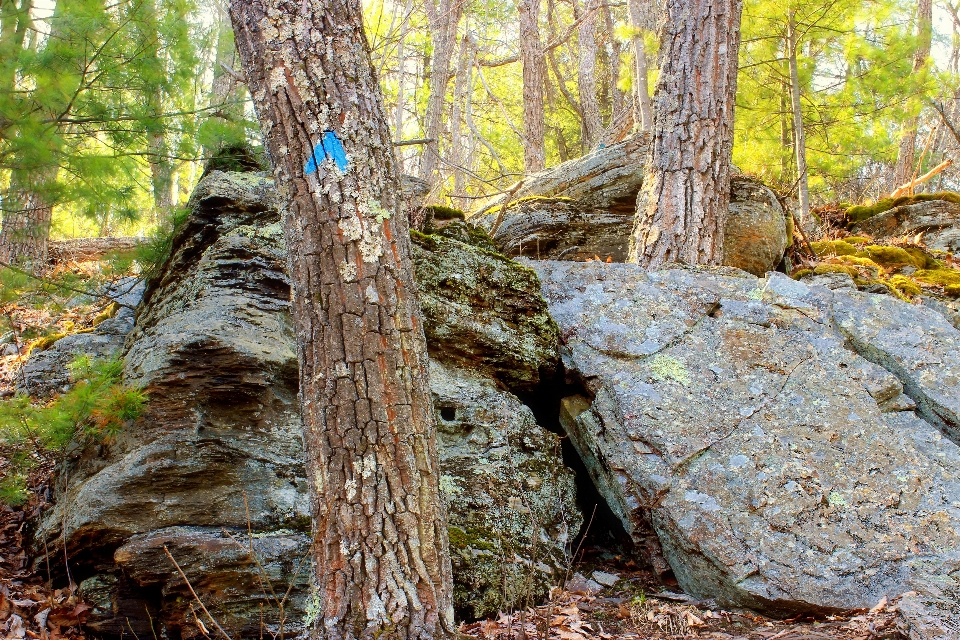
926,408
690,459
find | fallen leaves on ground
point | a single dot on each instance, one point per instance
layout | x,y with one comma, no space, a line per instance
620,614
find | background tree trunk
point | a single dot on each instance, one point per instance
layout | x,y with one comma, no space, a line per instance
27,214
799,134
643,111
534,76
683,205
586,76
380,540
462,90
906,159
444,18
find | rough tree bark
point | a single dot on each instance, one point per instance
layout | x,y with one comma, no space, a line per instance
534,76
643,111
799,133
682,208
444,18
27,214
381,562
586,76
906,158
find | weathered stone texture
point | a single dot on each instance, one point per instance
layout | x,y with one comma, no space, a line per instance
219,448
732,412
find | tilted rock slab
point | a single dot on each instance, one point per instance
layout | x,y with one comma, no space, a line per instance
587,207
737,416
219,447
937,220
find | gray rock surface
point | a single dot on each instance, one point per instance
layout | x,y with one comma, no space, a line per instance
937,220
731,412
219,448
46,372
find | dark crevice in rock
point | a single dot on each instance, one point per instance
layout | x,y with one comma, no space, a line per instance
602,528
927,409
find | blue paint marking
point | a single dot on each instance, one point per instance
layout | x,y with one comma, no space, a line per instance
328,147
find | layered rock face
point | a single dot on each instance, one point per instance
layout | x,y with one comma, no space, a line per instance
218,452
936,221
766,430
586,208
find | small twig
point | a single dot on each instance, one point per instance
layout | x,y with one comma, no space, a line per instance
194,593
131,628
63,286
407,143
150,620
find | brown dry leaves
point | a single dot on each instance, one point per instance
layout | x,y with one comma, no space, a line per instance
571,616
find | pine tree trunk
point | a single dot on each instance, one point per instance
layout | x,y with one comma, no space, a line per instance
534,76
643,111
586,76
906,159
381,563
683,205
444,18
799,134
27,214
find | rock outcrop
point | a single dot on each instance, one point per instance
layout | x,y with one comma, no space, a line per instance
758,425
218,451
936,222
586,208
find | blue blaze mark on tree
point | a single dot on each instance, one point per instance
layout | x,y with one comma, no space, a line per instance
328,147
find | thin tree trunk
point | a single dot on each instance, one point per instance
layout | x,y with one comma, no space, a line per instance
534,76
462,87
617,97
683,205
786,140
903,172
444,18
380,551
400,110
643,111
799,135
586,76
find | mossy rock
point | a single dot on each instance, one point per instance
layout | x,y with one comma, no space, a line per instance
459,231
942,277
860,213
891,257
952,290
905,285
821,269
858,240
802,273
833,248
238,158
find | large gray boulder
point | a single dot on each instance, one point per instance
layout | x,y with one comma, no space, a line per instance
750,421
218,450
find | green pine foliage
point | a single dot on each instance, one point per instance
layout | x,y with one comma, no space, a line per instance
857,87
97,406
